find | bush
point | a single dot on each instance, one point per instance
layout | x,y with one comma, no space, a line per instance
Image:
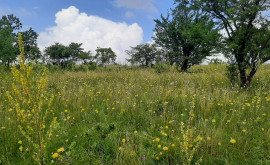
162,67
92,66
80,68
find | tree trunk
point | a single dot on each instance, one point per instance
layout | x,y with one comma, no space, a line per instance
184,66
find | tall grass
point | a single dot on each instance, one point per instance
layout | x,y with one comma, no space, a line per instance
119,115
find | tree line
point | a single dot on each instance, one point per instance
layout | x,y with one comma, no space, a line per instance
186,35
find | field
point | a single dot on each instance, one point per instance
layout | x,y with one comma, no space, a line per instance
129,115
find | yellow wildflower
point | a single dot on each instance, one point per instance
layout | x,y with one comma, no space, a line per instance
61,150
232,141
55,155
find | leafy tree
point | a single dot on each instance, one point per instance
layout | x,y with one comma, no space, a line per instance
9,26
31,49
246,36
105,56
86,57
8,53
57,53
186,35
144,54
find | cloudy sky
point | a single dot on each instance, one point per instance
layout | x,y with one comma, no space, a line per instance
118,24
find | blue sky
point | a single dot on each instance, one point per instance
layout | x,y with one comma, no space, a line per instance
131,21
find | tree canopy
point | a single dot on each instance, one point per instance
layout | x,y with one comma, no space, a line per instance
246,38
144,54
186,35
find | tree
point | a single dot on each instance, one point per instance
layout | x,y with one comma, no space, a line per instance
32,52
144,54
8,52
246,41
9,26
186,35
105,56
57,53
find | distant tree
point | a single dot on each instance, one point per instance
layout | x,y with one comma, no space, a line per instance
31,49
144,54
9,27
105,56
247,36
187,35
8,53
57,53
85,57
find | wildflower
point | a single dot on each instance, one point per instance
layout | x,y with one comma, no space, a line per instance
173,145
244,130
159,146
120,148
165,148
200,138
208,138
123,140
10,110
232,141
96,111
214,120
219,143
157,139
21,148
135,132
157,158
61,150
55,155
20,142
228,121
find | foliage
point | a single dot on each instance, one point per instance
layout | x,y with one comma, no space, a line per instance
9,26
144,54
246,39
162,67
105,56
186,35
66,56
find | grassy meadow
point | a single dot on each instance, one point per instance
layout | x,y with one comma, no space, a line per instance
129,115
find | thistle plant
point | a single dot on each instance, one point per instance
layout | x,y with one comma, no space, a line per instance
32,103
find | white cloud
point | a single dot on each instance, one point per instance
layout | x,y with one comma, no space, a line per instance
92,31
146,5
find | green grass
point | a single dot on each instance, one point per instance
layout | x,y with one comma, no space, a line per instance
96,110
